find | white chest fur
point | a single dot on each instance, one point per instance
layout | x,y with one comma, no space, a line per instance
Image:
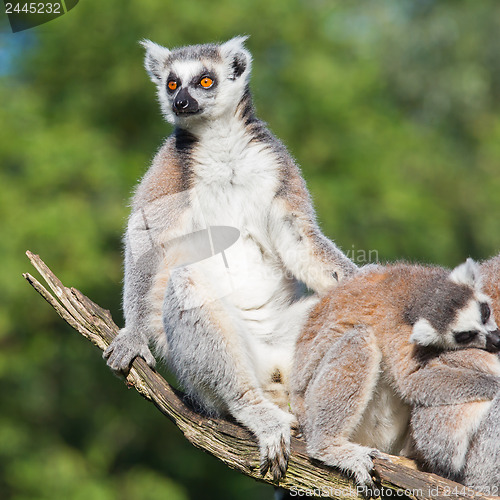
235,180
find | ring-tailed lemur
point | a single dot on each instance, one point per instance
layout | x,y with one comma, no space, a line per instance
461,441
222,231
370,351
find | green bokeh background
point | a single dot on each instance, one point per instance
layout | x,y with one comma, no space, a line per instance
391,108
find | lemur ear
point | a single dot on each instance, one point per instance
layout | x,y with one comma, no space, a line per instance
155,59
237,56
423,333
468,273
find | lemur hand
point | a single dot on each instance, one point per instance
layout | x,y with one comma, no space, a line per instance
126,346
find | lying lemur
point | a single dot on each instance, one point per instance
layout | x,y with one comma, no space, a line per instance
222,232
372,350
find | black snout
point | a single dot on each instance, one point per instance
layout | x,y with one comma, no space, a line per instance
493,341
185,104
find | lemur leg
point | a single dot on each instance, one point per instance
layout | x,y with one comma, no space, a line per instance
482,469
210,351
336,400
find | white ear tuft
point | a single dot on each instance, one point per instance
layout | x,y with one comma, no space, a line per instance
155,58
235,44
467,273
239,58
424,334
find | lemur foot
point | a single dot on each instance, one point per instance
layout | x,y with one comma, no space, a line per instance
356,461
369,487
274,445
126,346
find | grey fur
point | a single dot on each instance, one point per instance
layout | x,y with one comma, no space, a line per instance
222,167
452,442
482,468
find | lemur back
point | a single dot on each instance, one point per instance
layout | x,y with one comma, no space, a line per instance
370,352
221,239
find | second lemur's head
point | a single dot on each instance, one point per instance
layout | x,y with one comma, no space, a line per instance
455,313
199,82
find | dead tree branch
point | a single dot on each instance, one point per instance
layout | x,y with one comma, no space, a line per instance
229,442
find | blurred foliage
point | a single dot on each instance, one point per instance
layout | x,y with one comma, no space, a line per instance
391,107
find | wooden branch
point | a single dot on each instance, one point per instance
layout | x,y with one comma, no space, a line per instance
228,441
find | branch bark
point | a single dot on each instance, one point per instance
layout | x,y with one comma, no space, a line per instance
228,441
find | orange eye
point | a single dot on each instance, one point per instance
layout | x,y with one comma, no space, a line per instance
206,82
172,84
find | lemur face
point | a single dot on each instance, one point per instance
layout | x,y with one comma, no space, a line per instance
200,82
470,322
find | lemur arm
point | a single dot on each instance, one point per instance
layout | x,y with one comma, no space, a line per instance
141,261
305,251
151,227
159,204
439,384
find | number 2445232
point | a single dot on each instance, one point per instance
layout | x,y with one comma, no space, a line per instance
33,8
